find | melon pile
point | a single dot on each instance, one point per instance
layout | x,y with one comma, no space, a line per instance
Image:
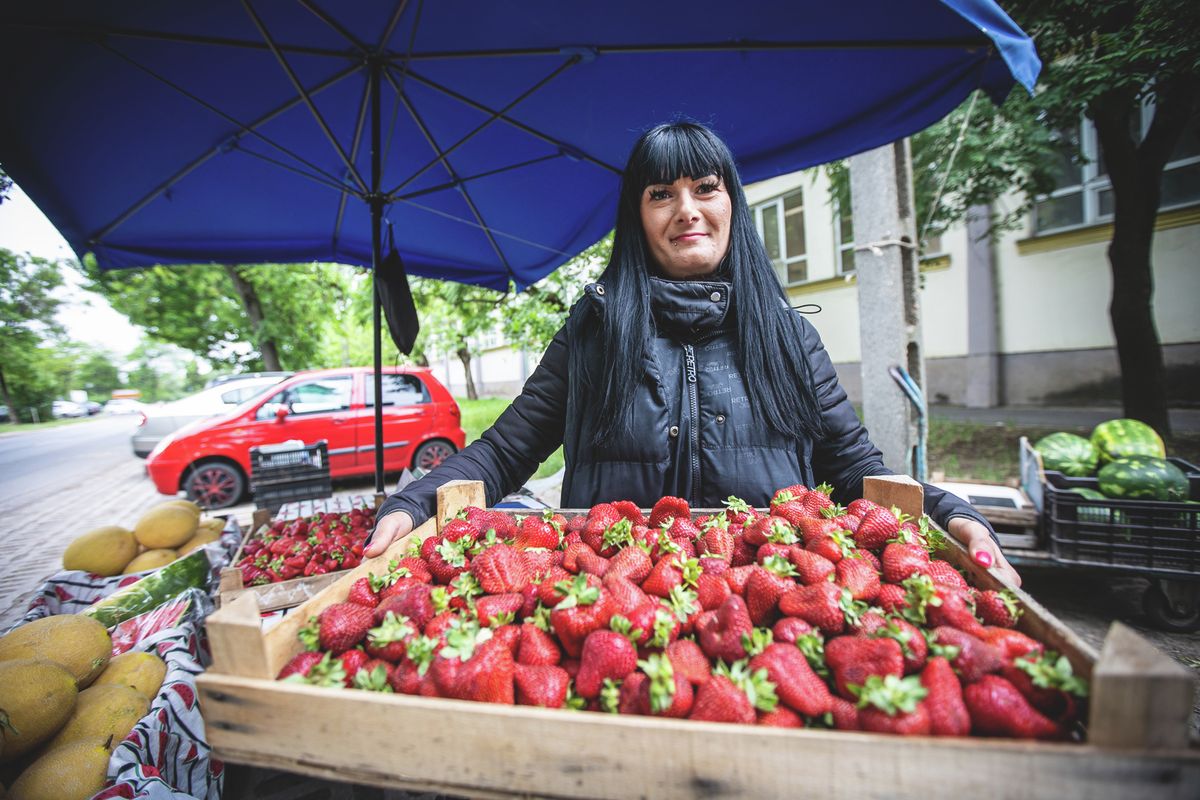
1127,458
163,534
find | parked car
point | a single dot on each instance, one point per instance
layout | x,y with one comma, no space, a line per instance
209,459
123,405
91,407
4,414
242,376
159,420
65,408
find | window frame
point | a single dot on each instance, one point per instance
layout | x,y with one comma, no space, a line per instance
369,389
781,229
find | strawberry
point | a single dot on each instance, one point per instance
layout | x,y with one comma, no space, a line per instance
682,529
811,528
999,609
869,557
537,646
473,666
765,586
417,569
665,692
399,587
721,639
362,593
743,551
911,640
416,604
300,664
788,628
788,494
717,540
584,608
734,693
501,569
374,675
543,685
859,577
669,507
625,594
781,717
861,506
1011,644
1049,683
632,563
458,529
411,674
943,574
972,658
539,562
852,658
834,546
664,576
687,658
902,560
792,511
816,499
711,590
796,685
845,715
536,532
629,697
891,598
737,510
494,610
387,641
953,610
436,628
890,704
571,554
343,625
810,567
447,560
659,626
997,708
503,524
947,712
547,593
825,605
737,576
606,654
876,527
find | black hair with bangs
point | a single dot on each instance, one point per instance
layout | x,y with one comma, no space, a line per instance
772,361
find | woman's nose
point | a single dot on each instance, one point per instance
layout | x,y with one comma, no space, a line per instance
687,209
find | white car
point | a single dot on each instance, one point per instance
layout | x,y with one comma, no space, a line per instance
122,405
66,408
158,421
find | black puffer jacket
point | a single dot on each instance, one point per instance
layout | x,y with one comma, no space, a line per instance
693,432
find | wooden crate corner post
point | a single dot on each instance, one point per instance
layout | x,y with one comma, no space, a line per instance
1140,697
236,641
454,496
900,491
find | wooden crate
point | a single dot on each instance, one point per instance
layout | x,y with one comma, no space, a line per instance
272,596
1137,737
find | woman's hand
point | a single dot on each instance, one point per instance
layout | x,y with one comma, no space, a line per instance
387,530
983,548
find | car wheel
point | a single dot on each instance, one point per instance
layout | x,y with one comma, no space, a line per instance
214,485
431,454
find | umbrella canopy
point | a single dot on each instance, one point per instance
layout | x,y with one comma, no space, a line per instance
239,132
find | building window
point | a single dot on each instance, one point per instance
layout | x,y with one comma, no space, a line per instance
843,227
1084,195
780,222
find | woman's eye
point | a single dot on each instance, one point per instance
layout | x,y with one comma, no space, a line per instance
708,188
659,194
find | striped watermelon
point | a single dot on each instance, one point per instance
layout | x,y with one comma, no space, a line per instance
1118,438
1069,454
1143,478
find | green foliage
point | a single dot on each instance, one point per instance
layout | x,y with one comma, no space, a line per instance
30,363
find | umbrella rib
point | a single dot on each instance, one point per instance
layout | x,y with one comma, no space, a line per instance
512,236
308,101
477,176
521,126
570,62
321,177
391,26
454,175
342,31
358,130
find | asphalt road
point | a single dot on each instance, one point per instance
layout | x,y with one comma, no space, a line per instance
32,463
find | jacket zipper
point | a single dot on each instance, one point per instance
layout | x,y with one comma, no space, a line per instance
694,427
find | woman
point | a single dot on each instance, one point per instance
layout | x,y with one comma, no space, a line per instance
682,371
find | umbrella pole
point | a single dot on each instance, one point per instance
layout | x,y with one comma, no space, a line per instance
376,200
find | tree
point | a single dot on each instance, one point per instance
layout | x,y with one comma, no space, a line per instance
267,316
27,310
97,374
452,316
1106,59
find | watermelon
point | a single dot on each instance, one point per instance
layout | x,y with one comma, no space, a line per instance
1069,454
1143,478
1118,438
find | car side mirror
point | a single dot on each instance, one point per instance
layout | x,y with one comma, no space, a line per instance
280,413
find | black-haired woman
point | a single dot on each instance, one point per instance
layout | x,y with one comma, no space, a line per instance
682,371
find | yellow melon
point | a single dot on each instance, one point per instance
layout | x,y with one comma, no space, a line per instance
38,697
151,559
165,526
141,671
80,644
101,712
71,772
104,551
202,537
187,504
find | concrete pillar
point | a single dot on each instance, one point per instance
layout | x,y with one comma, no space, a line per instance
983,361
888,301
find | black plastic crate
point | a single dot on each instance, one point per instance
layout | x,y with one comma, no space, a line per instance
282,476
1143,536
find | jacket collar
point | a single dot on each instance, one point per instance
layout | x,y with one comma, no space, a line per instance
691,308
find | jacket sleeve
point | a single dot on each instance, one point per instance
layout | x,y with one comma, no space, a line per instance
507,453
845,454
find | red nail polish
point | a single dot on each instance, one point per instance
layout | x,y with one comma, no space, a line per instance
983,558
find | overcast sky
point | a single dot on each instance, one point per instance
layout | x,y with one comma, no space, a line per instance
87,316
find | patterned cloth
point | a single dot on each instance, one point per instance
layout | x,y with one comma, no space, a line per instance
166,756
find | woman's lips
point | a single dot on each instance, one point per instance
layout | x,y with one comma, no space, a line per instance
689,237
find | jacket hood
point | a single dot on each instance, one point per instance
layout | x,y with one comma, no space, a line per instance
683,308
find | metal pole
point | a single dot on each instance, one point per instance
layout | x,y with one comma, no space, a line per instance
376,72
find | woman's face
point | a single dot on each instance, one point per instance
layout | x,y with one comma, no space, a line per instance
687,225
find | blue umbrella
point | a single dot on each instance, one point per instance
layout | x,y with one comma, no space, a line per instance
489,134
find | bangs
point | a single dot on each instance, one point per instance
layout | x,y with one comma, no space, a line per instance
671,152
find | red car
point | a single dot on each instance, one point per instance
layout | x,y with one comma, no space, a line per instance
210,458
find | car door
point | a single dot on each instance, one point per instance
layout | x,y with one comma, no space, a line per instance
317,408
406,416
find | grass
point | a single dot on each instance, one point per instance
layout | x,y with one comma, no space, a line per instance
478,416
26,427
959,450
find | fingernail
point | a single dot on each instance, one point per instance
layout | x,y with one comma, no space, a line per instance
983,558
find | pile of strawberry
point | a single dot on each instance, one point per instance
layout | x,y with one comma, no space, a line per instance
811,615
295,548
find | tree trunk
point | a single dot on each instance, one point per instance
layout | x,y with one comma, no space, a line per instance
464,355
250,302
13,417
1136,174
